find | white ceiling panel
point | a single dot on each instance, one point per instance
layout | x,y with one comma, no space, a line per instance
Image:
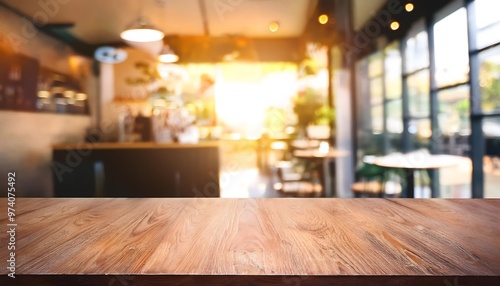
101,21
252,17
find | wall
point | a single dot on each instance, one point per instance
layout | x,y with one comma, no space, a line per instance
115,95
26,138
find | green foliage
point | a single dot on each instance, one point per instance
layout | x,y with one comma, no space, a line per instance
324,115
490,85
308,67
310,108
463,107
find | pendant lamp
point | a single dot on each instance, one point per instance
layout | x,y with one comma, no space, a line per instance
167,55
142,31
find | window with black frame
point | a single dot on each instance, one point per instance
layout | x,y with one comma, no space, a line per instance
452,91
486,52
380,102
416,74
393,102
369,106
447,99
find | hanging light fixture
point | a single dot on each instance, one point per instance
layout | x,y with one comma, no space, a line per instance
142,31
274,26
167,55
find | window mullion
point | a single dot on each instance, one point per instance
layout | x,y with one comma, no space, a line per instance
433,105
476,139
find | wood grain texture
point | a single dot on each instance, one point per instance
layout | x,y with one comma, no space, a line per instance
273,241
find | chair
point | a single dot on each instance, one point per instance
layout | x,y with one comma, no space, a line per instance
376,181
367,189
371,181
294,184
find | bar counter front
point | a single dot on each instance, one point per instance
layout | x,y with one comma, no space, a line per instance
142,169
282,241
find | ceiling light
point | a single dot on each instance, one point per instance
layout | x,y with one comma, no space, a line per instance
394,25
142,31
274,26
409,7
167,55
110,55
323,19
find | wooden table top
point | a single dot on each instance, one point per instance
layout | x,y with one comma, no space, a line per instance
420,161
305,144
316,153
314,241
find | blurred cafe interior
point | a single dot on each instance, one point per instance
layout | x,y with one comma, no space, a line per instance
251,99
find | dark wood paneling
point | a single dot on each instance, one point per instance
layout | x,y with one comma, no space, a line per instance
18,82
138,172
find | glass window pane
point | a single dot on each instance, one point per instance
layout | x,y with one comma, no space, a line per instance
377,114
454,106
420,133
417,52
376,91
488,22
491,161
418,93
394,120
489,79
395,143
392,64
488,36
455,181
451,49
375,66
491,129
369,143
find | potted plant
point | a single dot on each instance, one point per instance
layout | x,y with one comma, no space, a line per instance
314,116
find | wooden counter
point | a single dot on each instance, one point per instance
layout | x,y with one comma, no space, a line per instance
134,145
287,241
136,170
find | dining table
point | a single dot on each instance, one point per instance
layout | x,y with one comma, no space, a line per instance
305,144
414,161
269,241
326,154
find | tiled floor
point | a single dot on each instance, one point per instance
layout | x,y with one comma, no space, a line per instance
248,183
240,176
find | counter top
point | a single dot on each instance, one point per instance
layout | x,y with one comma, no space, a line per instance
147,241
133,145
